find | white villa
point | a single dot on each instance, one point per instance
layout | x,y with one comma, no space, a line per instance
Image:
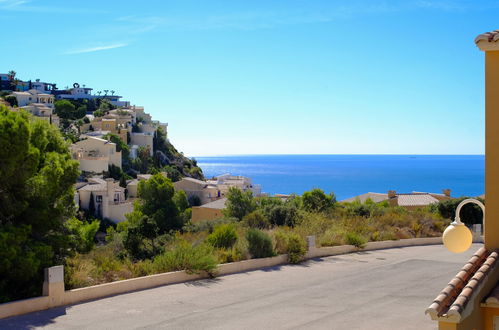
212,190
34,96
95,154
225,181
43,112
109,199
82,93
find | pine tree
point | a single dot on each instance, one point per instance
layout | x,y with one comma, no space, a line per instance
91,205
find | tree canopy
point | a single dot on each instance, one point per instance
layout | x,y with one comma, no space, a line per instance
67,110
159,210
36,199
316,200
239,203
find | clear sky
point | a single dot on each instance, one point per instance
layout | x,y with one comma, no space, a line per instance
271,77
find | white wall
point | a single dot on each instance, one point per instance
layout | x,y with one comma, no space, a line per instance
142,139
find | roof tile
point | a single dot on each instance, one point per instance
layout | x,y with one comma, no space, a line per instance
454,297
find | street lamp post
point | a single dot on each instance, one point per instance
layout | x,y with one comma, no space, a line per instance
457,237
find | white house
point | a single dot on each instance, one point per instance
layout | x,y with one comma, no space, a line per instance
34,96
82,93
41,111
108,198
143,140
42,87
95,154
225,181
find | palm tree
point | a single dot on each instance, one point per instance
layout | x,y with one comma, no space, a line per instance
112,92
12,74
105,92
13,80
99,92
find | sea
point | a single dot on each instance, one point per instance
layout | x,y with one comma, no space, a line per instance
351,175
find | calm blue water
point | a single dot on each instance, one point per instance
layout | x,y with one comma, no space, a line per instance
351,175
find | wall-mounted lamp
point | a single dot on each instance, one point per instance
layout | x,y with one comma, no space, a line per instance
457,237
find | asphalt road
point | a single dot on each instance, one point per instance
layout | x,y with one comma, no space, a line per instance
385,289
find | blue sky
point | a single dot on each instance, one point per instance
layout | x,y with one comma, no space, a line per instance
271,77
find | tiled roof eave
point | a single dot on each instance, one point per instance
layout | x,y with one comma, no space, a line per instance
450,304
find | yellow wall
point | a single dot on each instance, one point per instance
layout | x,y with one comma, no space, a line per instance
488,317
492,149
205,213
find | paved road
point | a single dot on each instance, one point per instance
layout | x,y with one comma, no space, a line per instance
386,289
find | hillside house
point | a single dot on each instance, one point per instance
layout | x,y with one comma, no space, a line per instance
33,96
209,211
95,154
43,112
201,189
411,200
108,198
226,181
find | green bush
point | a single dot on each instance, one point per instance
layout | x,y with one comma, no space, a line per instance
223,237
281,241
297,247
355,239
256,219
292,244
282,215
259,244
184,256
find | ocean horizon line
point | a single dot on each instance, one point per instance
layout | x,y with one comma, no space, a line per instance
324,154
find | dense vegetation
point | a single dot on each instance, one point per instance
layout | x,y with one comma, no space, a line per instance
38,228
252,227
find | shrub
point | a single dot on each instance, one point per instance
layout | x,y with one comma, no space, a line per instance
384,235
206,226
297,247
223,237
282,215
184,256
259,244
281,242
355,239
331,237
316,200
256,219
292,244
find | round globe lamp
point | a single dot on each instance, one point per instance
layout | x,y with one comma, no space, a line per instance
457,238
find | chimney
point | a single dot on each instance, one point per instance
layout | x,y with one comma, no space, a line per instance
446,192
392,193
110,188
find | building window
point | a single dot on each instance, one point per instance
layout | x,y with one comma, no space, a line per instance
117,197
98,198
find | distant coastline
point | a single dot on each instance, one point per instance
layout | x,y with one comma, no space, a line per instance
351,175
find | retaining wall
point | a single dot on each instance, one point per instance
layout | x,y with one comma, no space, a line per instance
57,297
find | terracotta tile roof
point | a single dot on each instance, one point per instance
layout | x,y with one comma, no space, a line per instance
451,302
488,36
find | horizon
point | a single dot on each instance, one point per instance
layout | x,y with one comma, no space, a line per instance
232,78
304,154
